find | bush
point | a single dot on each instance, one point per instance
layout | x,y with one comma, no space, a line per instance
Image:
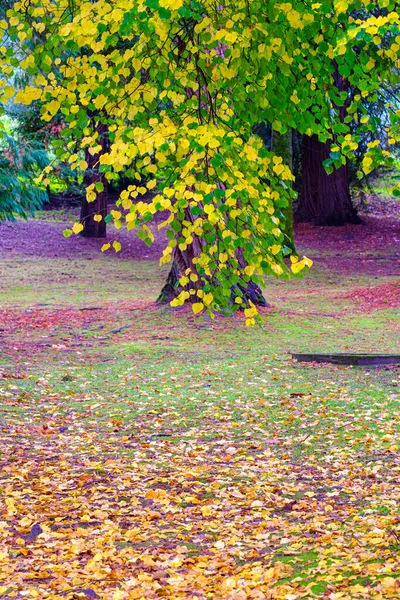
20,165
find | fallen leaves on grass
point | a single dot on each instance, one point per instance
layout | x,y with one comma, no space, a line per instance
163,507
378,297
191,465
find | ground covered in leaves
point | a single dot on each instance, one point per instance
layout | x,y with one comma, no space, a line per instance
149,453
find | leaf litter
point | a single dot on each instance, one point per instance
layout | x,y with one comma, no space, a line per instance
180,458
228,502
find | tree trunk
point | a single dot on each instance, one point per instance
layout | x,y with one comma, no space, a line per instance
182,260
324,199
281,144
92,228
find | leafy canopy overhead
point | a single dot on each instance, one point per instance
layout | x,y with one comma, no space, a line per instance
180,86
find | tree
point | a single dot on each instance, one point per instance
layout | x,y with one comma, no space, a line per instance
325,198
282,145
180,86
20,164
94,213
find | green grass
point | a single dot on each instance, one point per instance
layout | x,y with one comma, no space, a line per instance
389,179
215,413
61,282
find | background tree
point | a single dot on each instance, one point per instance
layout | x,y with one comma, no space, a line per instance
244,63
20,195
325,194
325,198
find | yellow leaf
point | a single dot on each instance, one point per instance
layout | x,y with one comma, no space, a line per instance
376,541
97,218
206,511
294,97
256,504
278,169
214,143
77,227
127,203
100,101
90,195
105,247
53,106
117,246
390,584
341,6
358,589
370,64
307,261
250,312
366,164
297,267
176,302
197,307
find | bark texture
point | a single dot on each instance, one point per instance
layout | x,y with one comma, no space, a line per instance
182,260
324,199
92,228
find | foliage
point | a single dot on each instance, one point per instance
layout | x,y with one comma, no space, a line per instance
180,86
19,166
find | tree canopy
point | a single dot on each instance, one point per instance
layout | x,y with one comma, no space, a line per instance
180,86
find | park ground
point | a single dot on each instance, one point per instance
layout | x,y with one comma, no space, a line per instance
147,453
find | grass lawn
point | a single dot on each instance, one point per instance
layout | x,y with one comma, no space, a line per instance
150,453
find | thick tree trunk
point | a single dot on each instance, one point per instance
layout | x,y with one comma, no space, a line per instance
281,144
182,260
92,228
324,199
